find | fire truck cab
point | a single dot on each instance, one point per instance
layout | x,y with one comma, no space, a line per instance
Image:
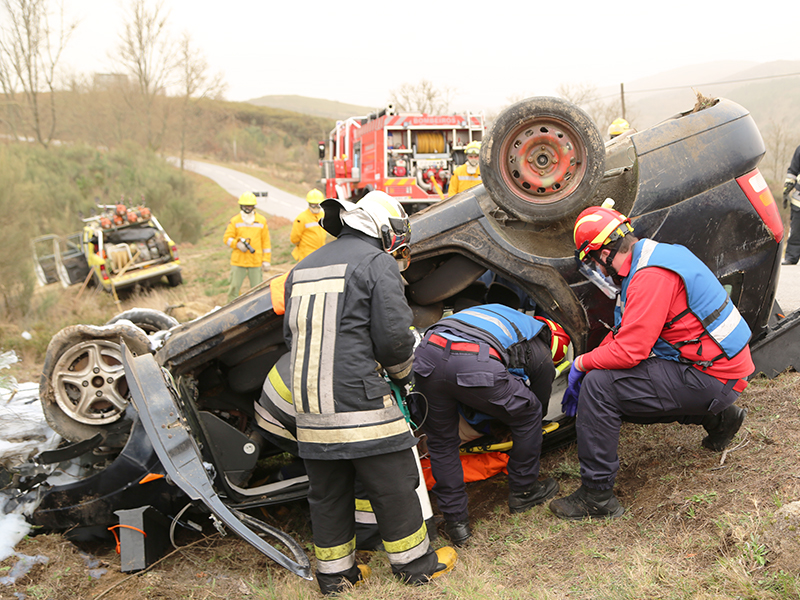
409,156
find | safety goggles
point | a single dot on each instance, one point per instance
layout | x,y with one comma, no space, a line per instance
247,208
472,153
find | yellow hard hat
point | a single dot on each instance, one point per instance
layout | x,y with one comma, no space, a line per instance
314,196
618,127
247,199
473,148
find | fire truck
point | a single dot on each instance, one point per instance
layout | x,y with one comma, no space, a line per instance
409,156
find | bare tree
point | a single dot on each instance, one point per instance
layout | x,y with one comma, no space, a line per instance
602,112
148,54
195,82
422,97
30,48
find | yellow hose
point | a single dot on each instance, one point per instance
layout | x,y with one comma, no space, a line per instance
430,142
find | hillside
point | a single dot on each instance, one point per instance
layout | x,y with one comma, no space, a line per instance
317,107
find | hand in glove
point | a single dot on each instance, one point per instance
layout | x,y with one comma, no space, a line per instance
788,186
569,403
265,266
241,246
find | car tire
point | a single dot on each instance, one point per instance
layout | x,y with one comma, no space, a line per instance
82,389
175,279
542,160
148,319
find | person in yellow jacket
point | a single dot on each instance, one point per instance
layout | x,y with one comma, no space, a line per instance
307,234
467,175
247,235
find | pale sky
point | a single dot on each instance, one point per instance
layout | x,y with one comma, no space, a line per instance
358,51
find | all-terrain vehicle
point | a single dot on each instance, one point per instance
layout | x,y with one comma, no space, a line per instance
692,179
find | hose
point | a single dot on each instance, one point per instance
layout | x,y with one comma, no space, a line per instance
429,142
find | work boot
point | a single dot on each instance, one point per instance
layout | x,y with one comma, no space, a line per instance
587,502
446,558
457,531
722,427
536,494
332,585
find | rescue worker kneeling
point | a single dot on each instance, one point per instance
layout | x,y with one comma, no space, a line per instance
466,358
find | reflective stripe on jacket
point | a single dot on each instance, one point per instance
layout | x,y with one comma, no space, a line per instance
706,298
461,180
306,235
258,233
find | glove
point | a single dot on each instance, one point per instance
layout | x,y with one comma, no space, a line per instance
569,403
265,266
241,246
788,186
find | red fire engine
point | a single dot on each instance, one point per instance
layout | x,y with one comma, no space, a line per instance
409,156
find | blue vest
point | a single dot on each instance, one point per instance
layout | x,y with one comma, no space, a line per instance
706,298
504,324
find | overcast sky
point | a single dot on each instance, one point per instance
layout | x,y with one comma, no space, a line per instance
358,51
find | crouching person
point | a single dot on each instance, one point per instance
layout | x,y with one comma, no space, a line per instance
467,358
346,313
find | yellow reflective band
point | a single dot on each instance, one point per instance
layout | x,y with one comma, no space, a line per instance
279,385
389,208
363,505
603,236
359,434
336,552
402,545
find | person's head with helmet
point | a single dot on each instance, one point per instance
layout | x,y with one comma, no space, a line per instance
378,215
247,206
314,199
603,238
618,127
472,152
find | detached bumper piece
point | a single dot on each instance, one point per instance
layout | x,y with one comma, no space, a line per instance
143,537
181,458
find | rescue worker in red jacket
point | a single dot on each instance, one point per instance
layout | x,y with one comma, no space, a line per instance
498,362
468,175
247,235
307,235
678,353
346,311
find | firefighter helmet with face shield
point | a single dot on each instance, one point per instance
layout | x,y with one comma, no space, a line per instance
598,226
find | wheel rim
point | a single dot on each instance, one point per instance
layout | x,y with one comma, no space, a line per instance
543,161
89,383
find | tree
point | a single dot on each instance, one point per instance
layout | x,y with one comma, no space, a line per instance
30,48
422,97
148,54
195,82
602,112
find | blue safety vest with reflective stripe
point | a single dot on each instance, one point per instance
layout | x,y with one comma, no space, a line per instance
706,298
504,324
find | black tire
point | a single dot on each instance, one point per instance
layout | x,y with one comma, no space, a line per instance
542,160
82,389
148,319
175,279
451,277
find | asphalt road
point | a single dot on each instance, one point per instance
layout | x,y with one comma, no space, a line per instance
788,294
277,202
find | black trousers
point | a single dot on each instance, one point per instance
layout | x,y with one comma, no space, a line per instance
793,243
484,384
390,481
654,391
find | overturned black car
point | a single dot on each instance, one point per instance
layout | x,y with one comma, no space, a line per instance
190,433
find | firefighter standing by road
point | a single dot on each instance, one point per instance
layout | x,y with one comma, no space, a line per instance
466,358
346,312
678,353
619,127
247,235
791,193
468,175
307,235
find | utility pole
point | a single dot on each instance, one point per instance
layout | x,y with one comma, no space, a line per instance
622,98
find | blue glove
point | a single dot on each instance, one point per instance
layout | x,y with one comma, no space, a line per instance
569,403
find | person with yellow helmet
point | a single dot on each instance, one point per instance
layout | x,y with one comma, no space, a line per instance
307,234
619,127
678,352
468,175
247,235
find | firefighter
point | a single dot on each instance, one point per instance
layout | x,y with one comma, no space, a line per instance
307,235
791,194
247,235
346,312
496,361
678,353
619,127
467,175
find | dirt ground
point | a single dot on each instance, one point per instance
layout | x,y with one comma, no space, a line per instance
686,508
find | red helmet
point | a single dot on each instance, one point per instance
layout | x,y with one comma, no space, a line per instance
559,340
597,226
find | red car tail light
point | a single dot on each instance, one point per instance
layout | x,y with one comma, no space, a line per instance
174,250
103,272
757,191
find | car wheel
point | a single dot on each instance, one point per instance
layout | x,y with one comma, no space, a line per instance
542,160
175,279
83,390
148,319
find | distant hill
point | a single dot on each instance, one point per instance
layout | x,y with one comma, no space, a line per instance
317,107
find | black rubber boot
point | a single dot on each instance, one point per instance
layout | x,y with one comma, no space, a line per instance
538,493
458,531
331,584
722,427
587,502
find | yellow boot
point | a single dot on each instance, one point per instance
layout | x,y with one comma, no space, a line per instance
447,558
